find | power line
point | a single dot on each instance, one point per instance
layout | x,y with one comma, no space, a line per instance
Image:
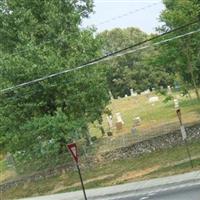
127,1
158,43
113,54
126,14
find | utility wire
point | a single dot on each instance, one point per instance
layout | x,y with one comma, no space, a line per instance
158,43
113,54
128,13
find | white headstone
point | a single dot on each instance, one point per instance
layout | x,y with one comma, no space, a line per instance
153,99
169,90
136,121
132,93
119,118
111,96
146,92
135,94
110,122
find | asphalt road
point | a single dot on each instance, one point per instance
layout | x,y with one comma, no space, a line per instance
179,187
191,192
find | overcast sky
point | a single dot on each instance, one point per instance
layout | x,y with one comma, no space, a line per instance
143,14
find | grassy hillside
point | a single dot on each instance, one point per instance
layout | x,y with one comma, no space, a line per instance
157,118
152,115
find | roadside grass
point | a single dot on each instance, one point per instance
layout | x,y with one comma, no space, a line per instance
155,119
5,172
157,164
3,166
176,169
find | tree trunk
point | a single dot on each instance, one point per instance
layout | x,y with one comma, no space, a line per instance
87,135
190,97
192,73
101,128
195,85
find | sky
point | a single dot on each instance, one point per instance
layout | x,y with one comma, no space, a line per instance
109,14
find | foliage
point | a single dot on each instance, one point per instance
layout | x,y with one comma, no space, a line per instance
38,38
151,165
135,70
182,54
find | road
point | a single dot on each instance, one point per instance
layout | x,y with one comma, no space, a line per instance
178,187
191,192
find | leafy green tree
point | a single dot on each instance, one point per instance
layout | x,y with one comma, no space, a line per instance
122,70
182,54
137,70
38,38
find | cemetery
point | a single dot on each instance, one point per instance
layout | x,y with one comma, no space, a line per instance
142,113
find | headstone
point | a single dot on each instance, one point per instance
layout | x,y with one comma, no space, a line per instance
135,94
119,121
169,90
111,96
146,92
153,99
110,122
133,130
132,93
137,121
119,117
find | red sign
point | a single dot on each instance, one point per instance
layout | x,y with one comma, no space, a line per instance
73,150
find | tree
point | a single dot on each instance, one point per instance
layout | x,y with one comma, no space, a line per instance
136,70
122,70
183,54
38,38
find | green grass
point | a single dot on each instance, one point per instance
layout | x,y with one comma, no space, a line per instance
5,172
155,118
151,115
176,169
157,164
3,166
